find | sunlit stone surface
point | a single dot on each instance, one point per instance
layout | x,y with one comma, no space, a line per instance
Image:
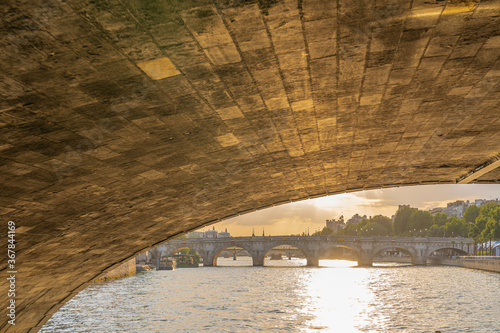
124,123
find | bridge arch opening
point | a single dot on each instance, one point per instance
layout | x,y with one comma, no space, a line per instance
447,253
285,256
391,256
338,256
232,256
321,263
186,257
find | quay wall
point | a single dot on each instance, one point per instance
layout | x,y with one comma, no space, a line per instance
445,261
486,263
125,269
404,260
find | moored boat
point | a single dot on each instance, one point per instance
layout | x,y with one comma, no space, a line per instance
167,264
276,256
186,260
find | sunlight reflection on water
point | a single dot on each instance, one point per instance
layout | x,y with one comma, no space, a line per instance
333,298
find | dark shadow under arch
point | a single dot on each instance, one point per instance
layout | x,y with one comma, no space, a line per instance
276,254
236,251
198,258
394,254
447,252
339,252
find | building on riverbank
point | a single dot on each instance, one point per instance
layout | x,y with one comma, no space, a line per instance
458,208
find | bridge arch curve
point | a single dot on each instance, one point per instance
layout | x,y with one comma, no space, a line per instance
176,249
406,249
326,248
449,249
169,248
219,250
81,135
268,249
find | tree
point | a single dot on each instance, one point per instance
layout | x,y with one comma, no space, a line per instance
485,223
362,223
326,232
378,225
471,213
191,252
495,231
420,220
474,231
383,221
402,220
491,209
374,229
491,230
436,231
440,219
457,227
349,230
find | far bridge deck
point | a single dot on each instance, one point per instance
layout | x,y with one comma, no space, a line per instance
365,248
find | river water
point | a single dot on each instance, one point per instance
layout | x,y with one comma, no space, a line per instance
333,298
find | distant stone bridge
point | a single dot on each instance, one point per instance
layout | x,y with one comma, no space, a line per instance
313,247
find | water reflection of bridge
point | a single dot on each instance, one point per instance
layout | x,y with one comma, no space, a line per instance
314,247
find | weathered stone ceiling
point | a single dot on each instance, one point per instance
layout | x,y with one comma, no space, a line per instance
123,122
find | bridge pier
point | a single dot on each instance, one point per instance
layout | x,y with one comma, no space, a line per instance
209,260
419,261
312,261
365,259
208,263
257,258
365,262
420,256
204,258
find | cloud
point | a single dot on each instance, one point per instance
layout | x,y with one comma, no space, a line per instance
304,211
296,217
379,203
427,205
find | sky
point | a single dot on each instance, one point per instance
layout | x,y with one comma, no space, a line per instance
294,218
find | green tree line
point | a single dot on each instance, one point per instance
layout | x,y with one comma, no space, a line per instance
480,223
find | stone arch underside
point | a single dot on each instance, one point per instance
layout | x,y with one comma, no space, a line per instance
125,125
171,250
218,250
325,249
270,247
460,250
353,249
406,249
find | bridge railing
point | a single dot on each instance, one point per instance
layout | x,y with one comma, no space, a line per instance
457,240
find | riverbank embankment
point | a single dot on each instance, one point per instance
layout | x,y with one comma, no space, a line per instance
485,263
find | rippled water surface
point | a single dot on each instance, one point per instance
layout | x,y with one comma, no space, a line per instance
288,299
